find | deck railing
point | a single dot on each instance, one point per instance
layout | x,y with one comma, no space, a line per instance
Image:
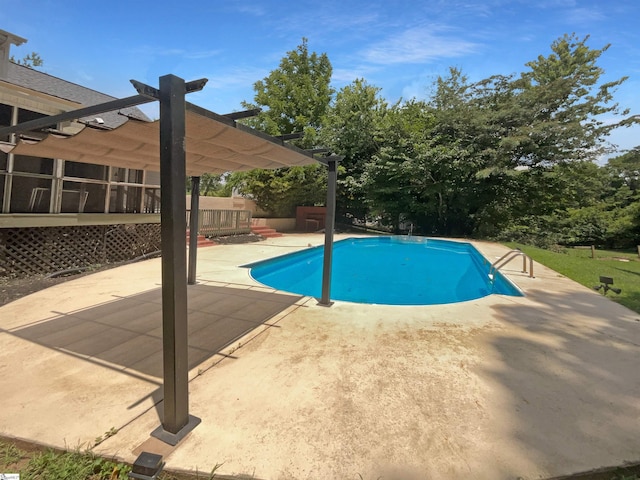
216,223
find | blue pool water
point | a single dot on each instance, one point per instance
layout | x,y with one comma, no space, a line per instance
388,270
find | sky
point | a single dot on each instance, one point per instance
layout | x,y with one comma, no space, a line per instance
400,46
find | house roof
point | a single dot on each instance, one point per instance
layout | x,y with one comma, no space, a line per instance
38,81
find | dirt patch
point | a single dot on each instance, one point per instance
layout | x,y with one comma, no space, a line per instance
12,289
237,239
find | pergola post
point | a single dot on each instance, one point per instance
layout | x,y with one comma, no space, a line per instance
329,225
194,223
176,422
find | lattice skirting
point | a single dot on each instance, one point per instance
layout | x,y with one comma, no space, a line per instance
44,250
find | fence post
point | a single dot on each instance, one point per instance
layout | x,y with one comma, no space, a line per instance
593,251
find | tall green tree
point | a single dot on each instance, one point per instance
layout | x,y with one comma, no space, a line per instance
352,130
293,98
487,159
565,102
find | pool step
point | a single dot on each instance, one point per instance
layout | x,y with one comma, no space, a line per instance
265,232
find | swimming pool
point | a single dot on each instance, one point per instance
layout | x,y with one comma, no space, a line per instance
388,270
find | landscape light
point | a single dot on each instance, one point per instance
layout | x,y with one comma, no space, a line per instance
147,466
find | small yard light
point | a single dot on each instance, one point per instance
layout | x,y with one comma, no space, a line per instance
147,466
605,285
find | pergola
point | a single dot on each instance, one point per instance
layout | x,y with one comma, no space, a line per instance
186,140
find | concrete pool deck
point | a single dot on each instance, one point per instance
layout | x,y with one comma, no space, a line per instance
496,388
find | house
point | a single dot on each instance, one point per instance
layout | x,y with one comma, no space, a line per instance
88,213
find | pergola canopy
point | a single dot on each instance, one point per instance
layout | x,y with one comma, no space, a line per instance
213,144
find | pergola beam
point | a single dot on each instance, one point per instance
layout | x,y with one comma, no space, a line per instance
290,136
243,114
77,114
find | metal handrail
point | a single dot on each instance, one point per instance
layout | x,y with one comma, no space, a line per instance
507,257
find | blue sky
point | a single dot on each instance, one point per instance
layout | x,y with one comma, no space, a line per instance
400,46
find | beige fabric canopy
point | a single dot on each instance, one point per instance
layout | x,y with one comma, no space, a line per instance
212,146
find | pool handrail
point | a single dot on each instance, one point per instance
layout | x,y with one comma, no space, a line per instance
507,257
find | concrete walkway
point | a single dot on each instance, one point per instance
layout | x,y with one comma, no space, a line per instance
496,388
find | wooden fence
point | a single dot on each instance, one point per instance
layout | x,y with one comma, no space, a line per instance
216,223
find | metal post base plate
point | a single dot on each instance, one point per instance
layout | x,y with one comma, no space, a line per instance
174,438
322,304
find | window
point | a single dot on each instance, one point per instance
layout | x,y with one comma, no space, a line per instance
126,175
85,170
5,119
26,164
27,115
151,200
125,199
30,195
2,180
80,197
45,185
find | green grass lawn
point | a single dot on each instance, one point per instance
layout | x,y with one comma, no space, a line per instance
577,264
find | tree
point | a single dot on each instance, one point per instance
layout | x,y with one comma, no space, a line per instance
32,60
409,178
627,168
351,129
294,98
211,185
278,192
565,104
486,159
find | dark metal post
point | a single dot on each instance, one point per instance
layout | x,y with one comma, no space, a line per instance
194,229
329,224
174,271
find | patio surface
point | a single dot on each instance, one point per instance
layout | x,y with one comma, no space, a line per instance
497,388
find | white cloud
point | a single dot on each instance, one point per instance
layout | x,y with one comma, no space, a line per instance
581,16
256,10
418,45
348,75
152,51
201,54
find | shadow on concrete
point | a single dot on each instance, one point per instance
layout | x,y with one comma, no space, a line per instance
570,373
126,333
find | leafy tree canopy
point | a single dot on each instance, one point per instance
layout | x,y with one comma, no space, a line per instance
293,98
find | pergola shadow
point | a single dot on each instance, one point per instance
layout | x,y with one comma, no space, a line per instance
126,334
